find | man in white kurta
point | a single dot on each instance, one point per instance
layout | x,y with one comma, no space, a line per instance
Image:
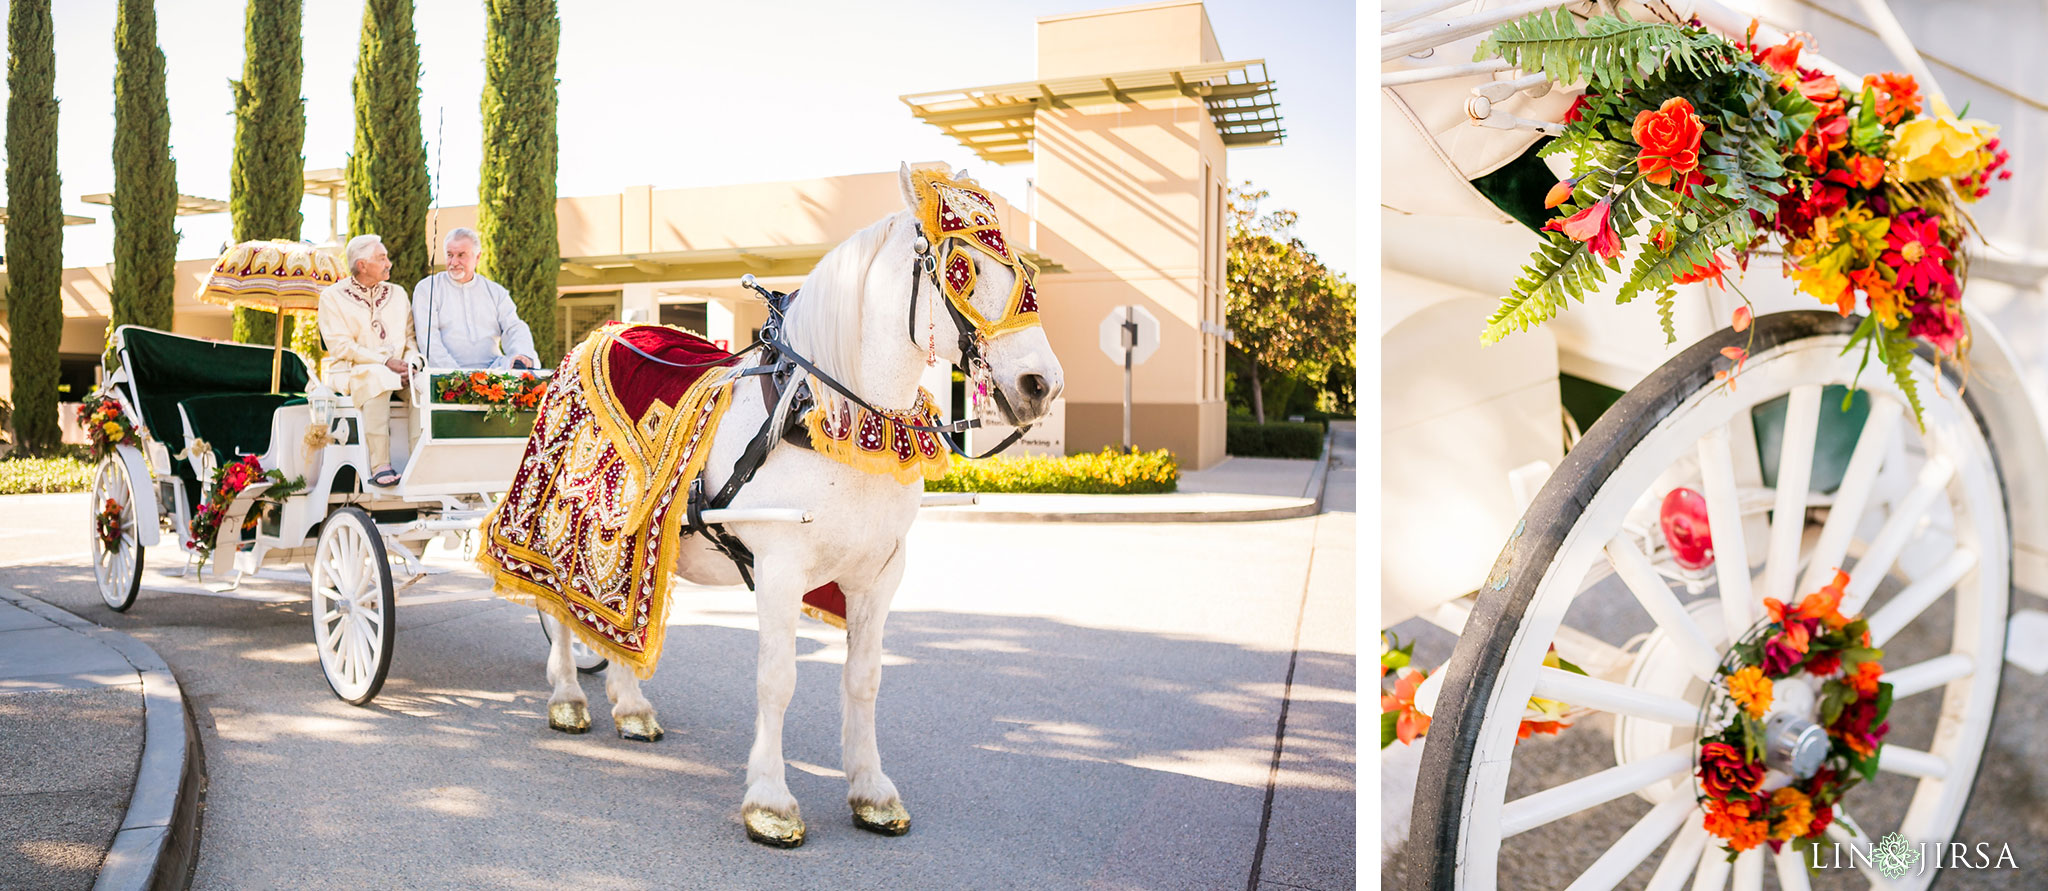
367,324
464,320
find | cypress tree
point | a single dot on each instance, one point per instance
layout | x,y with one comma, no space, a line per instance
387,173
516,196
35,223
145,175
267,176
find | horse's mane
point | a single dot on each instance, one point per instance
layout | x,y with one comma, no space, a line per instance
824,322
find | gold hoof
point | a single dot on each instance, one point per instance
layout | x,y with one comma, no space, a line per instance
885,819
569,717
772,829
639,728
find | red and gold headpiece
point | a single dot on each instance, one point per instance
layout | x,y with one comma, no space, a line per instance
957,216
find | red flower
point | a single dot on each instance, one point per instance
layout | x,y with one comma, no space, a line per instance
1865,679
1670,137
1724,771
1591,226
1688,181
1824,135
1573,115
1917,253
1823,815
1559,194
1938,323
1783,58
1710,272
1780,657
1823,664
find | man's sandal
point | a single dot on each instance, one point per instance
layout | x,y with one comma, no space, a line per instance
385,478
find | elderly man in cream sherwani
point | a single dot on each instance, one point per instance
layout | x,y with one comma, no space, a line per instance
464,320
367,324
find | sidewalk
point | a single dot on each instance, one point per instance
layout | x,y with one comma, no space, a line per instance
99,769
1233,491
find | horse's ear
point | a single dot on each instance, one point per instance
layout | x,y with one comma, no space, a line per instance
909,191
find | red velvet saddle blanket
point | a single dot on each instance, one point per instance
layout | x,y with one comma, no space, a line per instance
588,531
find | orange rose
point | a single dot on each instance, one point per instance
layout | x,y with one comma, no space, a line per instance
1670,137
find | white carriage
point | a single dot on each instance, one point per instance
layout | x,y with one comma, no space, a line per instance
1938,524
201,403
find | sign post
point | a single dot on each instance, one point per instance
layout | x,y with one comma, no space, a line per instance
1130,335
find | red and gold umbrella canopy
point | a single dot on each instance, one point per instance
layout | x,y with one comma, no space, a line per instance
278,276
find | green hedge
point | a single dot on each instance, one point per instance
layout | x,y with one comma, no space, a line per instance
1275,439
1108,472
27,476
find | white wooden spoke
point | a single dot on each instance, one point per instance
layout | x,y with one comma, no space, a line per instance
1558,802
1749,868
1932,674
1627,852
1795,473
1853,496
1791,870
1713,872
1877,560
1911,762
1681,859
1621,699
1908,604
1655,595
1724,523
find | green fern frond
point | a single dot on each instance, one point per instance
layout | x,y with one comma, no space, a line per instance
1665,303
1611,52
1561,270
1728,226
1895,349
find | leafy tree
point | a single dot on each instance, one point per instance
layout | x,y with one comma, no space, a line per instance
387,173
1290,316
266,179
145,176
35,223
516,195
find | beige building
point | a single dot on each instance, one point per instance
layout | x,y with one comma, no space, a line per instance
1127,123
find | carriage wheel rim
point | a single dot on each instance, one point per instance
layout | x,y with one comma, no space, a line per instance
1978,596
347,599
114,571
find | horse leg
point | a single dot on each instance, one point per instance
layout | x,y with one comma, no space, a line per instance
632,714
568,709
769,811
876,805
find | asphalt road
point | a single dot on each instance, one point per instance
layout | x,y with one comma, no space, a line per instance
1063,706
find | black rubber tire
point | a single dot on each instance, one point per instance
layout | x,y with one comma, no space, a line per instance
1476,663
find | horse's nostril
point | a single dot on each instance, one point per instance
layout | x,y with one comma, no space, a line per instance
1034,386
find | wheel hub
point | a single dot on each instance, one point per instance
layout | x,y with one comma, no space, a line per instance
1794,744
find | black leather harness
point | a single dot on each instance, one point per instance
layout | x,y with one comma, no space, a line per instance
777,366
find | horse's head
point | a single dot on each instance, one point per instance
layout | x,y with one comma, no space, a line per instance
987,303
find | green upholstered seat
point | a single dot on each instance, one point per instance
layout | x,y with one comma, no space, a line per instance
167,369
235,423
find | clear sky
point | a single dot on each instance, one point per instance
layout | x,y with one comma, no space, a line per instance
679,94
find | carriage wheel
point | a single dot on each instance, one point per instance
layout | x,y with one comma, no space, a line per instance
587,660
117,569
1920,523
353,605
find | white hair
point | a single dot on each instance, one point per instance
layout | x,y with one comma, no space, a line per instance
359,247
824,321
459,233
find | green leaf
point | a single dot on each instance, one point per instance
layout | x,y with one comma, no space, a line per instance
1895,349
1561,270
1611,52
1566,664
1389,735
1831,705
1884,702
1867,134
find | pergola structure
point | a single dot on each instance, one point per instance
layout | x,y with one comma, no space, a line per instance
765,262
69,219
999,122
188,205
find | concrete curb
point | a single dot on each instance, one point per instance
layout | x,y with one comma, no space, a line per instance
158,842
1310,504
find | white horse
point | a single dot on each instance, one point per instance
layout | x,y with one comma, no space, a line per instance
852,319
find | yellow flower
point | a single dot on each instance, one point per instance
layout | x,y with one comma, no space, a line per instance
1541,709
1939,145
1797,818
1752,690
113,430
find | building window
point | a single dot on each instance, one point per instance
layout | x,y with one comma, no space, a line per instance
76,377
576,315
691,317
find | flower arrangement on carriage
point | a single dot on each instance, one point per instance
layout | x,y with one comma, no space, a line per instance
1705,150
499,391
1757,703
106,425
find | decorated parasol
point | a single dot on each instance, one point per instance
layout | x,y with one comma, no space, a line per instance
277,276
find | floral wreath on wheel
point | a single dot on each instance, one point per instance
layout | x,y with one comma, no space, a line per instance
1698,145
1746,805
107,524
228,481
